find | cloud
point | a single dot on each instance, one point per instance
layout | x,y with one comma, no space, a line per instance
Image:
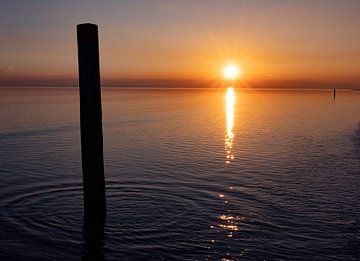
6,69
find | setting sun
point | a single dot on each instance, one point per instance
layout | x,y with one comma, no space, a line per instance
231,72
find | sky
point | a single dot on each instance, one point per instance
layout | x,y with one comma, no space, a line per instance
150,40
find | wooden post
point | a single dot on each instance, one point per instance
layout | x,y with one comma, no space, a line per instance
91,123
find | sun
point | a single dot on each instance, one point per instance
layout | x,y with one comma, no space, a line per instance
231,72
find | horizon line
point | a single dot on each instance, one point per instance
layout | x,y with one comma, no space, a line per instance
183,83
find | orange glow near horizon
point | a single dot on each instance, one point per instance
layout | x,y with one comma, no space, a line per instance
269,44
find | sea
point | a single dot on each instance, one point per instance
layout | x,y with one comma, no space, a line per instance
191,174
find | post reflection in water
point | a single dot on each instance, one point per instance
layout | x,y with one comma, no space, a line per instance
229,134
94,235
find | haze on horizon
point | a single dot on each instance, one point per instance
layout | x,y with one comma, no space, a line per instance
271,40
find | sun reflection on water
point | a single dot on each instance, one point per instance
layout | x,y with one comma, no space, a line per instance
229,134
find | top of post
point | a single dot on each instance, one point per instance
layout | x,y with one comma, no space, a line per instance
87,33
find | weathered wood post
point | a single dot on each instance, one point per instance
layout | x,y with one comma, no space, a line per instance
91,122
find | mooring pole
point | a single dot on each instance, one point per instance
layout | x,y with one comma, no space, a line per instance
91,122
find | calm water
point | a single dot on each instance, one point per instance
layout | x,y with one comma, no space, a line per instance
190,175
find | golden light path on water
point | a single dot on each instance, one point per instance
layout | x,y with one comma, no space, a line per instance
228,222
229,134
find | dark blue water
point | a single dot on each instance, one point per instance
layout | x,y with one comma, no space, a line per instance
190,175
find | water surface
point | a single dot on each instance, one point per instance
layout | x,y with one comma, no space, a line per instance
191,174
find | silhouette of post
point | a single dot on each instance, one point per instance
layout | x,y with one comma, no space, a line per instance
91,124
